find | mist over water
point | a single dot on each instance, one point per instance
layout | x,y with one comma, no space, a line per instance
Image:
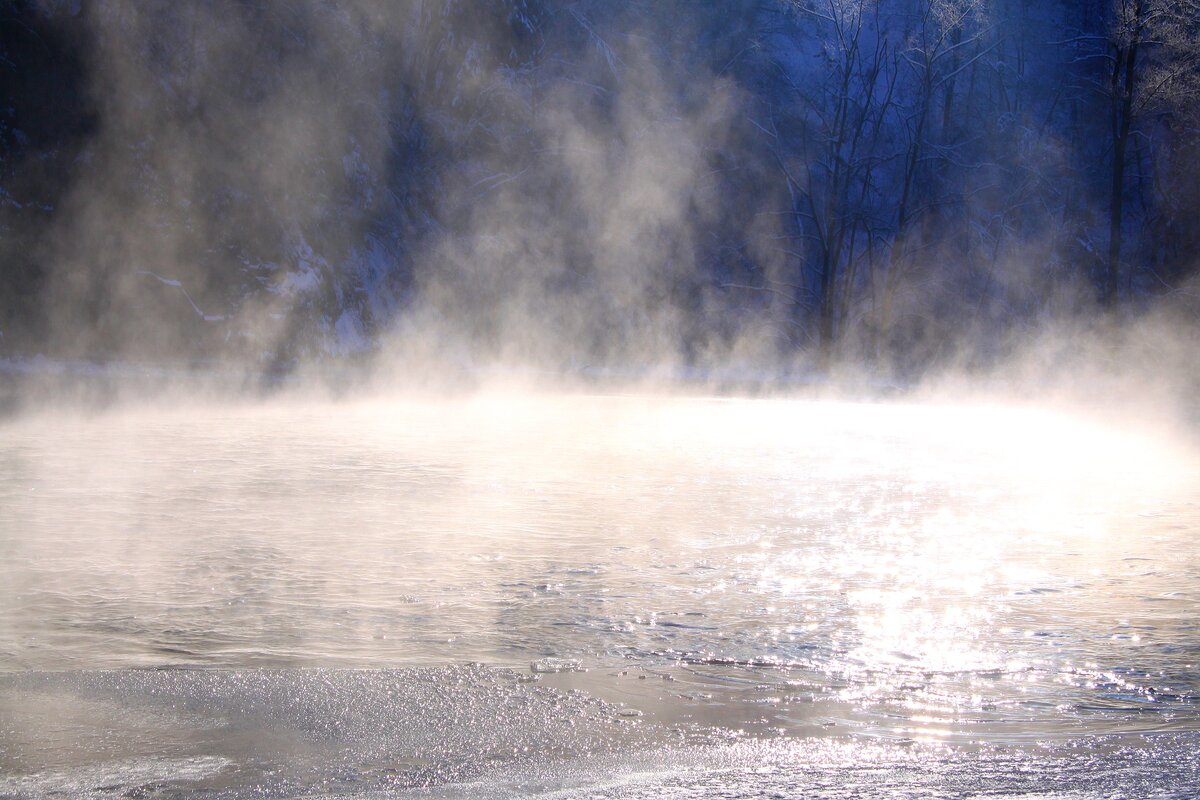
463,399
946,575
421,189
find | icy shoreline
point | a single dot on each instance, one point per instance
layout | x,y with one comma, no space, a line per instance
471,731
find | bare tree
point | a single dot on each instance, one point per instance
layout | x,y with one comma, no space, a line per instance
1152,52
944,31
843,150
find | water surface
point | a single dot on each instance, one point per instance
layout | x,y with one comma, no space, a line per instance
725,570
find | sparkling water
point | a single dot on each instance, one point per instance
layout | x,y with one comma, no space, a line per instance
573,595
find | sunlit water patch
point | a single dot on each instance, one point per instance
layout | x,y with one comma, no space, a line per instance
882,575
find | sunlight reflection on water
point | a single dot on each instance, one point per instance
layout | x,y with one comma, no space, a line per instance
970,572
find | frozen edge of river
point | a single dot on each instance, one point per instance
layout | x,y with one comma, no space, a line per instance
478,732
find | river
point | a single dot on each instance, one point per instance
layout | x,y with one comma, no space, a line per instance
597,596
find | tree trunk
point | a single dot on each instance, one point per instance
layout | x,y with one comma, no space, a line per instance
1123,75
891,284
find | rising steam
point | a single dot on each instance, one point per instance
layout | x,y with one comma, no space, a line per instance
441,188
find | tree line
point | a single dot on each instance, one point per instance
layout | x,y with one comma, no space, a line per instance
885,182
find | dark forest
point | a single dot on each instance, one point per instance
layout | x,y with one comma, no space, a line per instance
892,185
